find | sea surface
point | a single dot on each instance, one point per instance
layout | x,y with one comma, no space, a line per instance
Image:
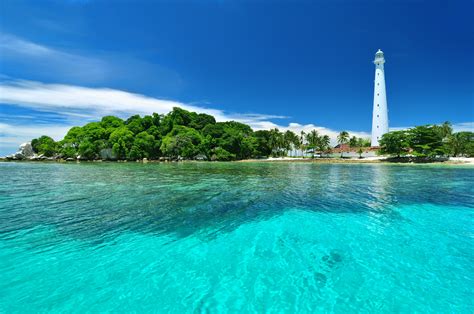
236,237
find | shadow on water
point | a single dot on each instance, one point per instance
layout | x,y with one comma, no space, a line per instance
98,202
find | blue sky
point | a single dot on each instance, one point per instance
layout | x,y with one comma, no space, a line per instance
289,64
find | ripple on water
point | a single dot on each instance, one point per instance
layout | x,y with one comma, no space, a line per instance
236,237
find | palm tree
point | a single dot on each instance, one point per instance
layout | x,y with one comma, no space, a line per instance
324,143
446,129
291,140
312,138
275,141
302,146
342,138
353,142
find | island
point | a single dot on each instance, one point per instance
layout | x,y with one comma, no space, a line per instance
183,135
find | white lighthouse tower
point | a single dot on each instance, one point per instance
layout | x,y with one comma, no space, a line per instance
380,112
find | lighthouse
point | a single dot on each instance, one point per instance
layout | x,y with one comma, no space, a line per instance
380,112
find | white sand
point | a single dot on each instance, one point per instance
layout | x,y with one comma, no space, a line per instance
464,160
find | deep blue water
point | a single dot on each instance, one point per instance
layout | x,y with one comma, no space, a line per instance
236,237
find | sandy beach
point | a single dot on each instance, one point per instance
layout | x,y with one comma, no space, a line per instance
451,161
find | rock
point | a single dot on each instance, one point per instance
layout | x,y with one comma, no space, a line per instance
200,157
145,160
39,157
108,154
24,151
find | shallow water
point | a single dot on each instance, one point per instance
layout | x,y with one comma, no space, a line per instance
214,237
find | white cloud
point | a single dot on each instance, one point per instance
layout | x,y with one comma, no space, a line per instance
78,101
465,126
11,136
457,127
297,128
44,59
79,66
81,104
13,44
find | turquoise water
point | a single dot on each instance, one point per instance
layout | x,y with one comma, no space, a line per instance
237,237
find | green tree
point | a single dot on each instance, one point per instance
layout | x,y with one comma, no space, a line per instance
247,148
147,122
69,145
236,139
111,122
276,142
44,145
94,131
302,145
155,131
353,142
181,142
394,143
156,119
67,150
220,154
121,140
291,140
201,120
445,129
324,144
177,116
312,138
363,142
426,141
461,144
262,146
342,139
143,147
88,150
74,136
134,124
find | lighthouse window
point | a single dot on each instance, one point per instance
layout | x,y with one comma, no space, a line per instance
377,116
377,105
377,126
377,94
378,84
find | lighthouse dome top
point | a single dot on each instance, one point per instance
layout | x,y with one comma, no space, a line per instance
379,58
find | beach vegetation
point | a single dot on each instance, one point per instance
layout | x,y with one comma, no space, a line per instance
428,141
182,134
342,138
44,145
394,143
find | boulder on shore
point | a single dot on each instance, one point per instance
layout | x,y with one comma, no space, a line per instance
25,151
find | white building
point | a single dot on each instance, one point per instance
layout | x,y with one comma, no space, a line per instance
380,112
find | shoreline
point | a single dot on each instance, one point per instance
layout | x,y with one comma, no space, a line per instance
368,160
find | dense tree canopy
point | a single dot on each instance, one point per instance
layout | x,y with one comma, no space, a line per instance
428,141
44,145
188,135
178,135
